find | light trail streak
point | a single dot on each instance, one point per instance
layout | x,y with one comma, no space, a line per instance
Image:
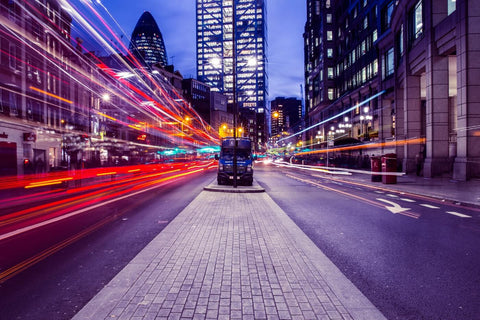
336,116
77,195
105,191
367,146
47,183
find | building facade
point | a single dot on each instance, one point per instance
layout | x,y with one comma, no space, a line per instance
401,71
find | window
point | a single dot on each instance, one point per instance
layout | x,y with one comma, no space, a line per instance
329,53
365,23
330,73
387,16
418,20
329,18
330,93
12,56
388,64
13,103
452,6
329,35
399,42
29,110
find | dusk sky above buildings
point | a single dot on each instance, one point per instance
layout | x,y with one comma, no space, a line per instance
176,20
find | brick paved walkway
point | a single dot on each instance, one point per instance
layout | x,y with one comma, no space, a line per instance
230,256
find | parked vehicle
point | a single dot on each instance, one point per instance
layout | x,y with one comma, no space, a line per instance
243,153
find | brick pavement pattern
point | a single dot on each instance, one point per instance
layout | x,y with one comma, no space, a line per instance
230,256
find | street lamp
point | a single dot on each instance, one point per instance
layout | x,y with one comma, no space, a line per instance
186,120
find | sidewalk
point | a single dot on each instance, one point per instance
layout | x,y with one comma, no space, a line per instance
230,255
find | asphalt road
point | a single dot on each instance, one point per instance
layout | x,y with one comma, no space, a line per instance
413,260
409,255
61,284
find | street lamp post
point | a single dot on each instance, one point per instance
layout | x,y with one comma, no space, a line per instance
234,76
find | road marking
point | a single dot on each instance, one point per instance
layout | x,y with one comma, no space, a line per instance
392,195
407,200
376,191
394,207
429,206
461,215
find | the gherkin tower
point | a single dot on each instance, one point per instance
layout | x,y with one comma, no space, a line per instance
147,42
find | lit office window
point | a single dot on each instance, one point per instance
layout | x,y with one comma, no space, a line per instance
329,35
330,93
330,73
329,53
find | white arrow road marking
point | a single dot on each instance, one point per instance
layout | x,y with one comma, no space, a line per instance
461,215
407,200
429,206
395,207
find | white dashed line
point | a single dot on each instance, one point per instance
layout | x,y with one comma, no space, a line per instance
461,215
429,206
376,191
407,200
392,196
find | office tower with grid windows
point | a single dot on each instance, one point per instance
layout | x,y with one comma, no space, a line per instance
217,53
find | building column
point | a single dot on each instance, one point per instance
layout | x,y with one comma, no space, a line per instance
385,130
411,121
467,162
437,161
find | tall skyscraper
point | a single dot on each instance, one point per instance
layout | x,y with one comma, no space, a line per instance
147,41
215,49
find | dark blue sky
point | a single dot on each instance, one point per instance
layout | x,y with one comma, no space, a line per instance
176,20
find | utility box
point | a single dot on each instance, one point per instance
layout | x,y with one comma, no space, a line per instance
389,165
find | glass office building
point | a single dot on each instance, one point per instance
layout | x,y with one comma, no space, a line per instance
215,50
147,42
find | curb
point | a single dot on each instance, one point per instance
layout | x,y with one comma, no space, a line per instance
215,187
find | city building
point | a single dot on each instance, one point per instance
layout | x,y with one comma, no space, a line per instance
396,72
221,119
232,60
146,42
62,108
286,116
198,95
36,92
